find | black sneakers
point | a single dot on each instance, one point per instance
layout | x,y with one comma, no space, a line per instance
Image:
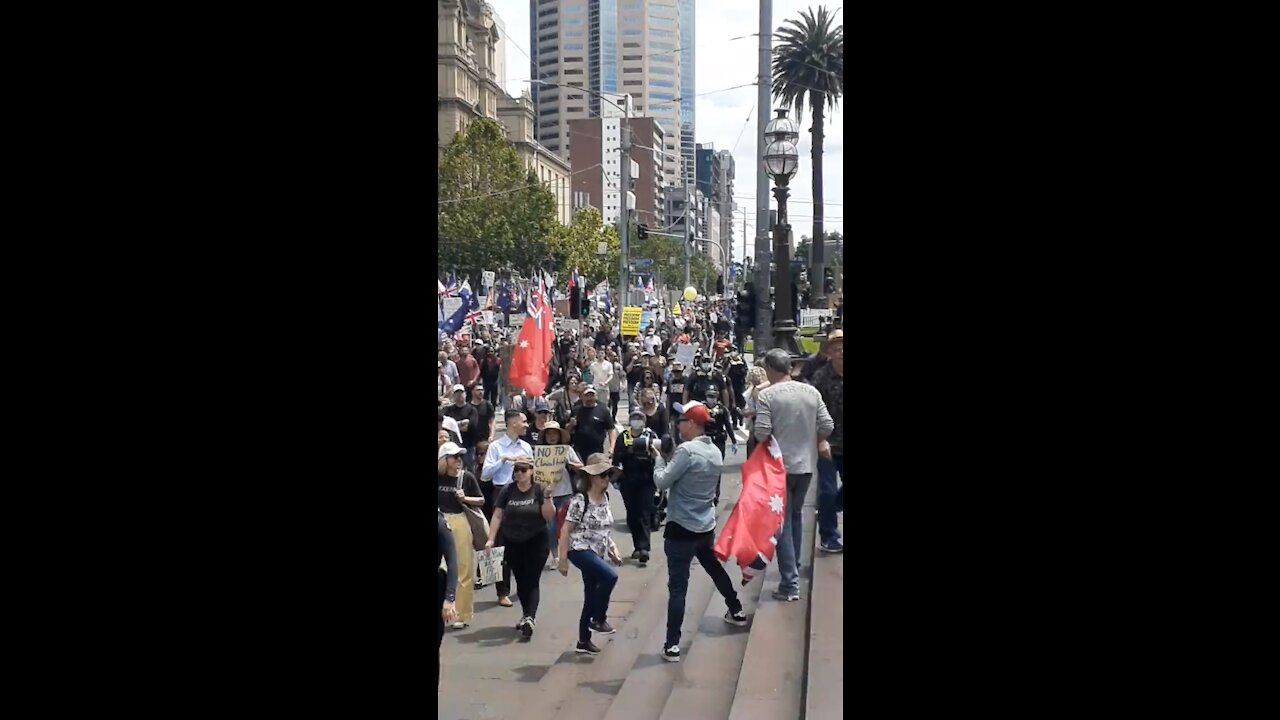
736,618
526,627
602,627
587,648
642,558
671,654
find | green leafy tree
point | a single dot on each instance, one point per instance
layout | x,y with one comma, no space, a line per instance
576,245
808,63
494,213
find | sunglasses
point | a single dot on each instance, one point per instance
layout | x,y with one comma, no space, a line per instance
523,468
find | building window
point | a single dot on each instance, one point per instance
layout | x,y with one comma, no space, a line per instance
573,46
572,59
629,71
573,72
574,108
655,70
655,45
632,33
629,58
630,45
662,95
572,21
662,83
570,33
662,21
661,33
632,82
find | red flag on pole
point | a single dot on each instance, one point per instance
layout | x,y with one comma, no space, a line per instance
750,535
532,352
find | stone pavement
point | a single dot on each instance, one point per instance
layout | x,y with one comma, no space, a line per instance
787,664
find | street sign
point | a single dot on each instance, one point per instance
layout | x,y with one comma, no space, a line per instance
641,261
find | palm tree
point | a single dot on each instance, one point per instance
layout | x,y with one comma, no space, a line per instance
809,62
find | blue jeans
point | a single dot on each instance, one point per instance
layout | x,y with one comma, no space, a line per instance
680,555
790,544
598,580
827,490
556,502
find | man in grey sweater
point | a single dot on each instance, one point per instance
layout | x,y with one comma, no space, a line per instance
794,414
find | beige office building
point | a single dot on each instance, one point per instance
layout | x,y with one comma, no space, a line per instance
469,70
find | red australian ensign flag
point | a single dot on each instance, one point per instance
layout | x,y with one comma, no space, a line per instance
752,530
532,353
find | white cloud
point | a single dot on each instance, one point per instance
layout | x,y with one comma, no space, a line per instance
723,62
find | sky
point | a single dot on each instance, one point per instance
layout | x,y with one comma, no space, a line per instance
725,58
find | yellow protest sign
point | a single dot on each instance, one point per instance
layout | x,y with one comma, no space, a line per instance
676,309
630,321
548,462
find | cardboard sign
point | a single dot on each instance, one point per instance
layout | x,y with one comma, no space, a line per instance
548,463
631,320
646,319
488,278
489,565
684,354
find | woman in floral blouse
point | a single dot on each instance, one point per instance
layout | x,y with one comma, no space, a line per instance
586,543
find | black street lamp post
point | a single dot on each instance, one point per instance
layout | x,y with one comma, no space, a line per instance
781,160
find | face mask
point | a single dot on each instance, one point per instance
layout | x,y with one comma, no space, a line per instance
706,367
711,403
637,424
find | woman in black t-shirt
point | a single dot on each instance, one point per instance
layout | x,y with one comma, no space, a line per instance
521,513
454,487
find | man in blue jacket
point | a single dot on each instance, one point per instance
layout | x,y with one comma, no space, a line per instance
691,478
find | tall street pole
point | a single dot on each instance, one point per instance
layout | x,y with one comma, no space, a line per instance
688,227
763,330
625,211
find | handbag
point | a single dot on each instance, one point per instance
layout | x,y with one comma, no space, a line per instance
476,520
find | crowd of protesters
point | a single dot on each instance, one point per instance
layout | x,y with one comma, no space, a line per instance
665,459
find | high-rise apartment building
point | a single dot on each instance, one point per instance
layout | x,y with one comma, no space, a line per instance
596,147
687,87
715,175
610,46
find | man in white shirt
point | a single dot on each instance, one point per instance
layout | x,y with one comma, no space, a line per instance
499,466
601,374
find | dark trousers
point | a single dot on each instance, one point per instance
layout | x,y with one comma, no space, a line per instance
680,555
637,497
440,621
526,559
613,403
491,392
829,496
486,489
598,580
503,586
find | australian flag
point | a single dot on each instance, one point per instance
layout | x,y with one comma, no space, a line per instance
459,318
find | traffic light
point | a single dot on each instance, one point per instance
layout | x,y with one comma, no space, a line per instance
828,281
746,317
642,232
575,301
585,310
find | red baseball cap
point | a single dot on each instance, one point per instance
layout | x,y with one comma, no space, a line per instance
695,411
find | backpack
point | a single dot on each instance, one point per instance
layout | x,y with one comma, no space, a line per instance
564,512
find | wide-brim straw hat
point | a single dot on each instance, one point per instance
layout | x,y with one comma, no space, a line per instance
598,464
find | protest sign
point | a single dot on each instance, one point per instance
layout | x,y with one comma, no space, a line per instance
631,320
548,462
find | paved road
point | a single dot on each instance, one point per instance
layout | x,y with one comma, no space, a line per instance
490,672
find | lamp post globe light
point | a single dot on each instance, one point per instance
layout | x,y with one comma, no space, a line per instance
781,161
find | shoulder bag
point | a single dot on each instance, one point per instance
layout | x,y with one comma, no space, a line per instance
475,519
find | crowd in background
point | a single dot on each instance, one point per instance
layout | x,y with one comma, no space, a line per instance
592,374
